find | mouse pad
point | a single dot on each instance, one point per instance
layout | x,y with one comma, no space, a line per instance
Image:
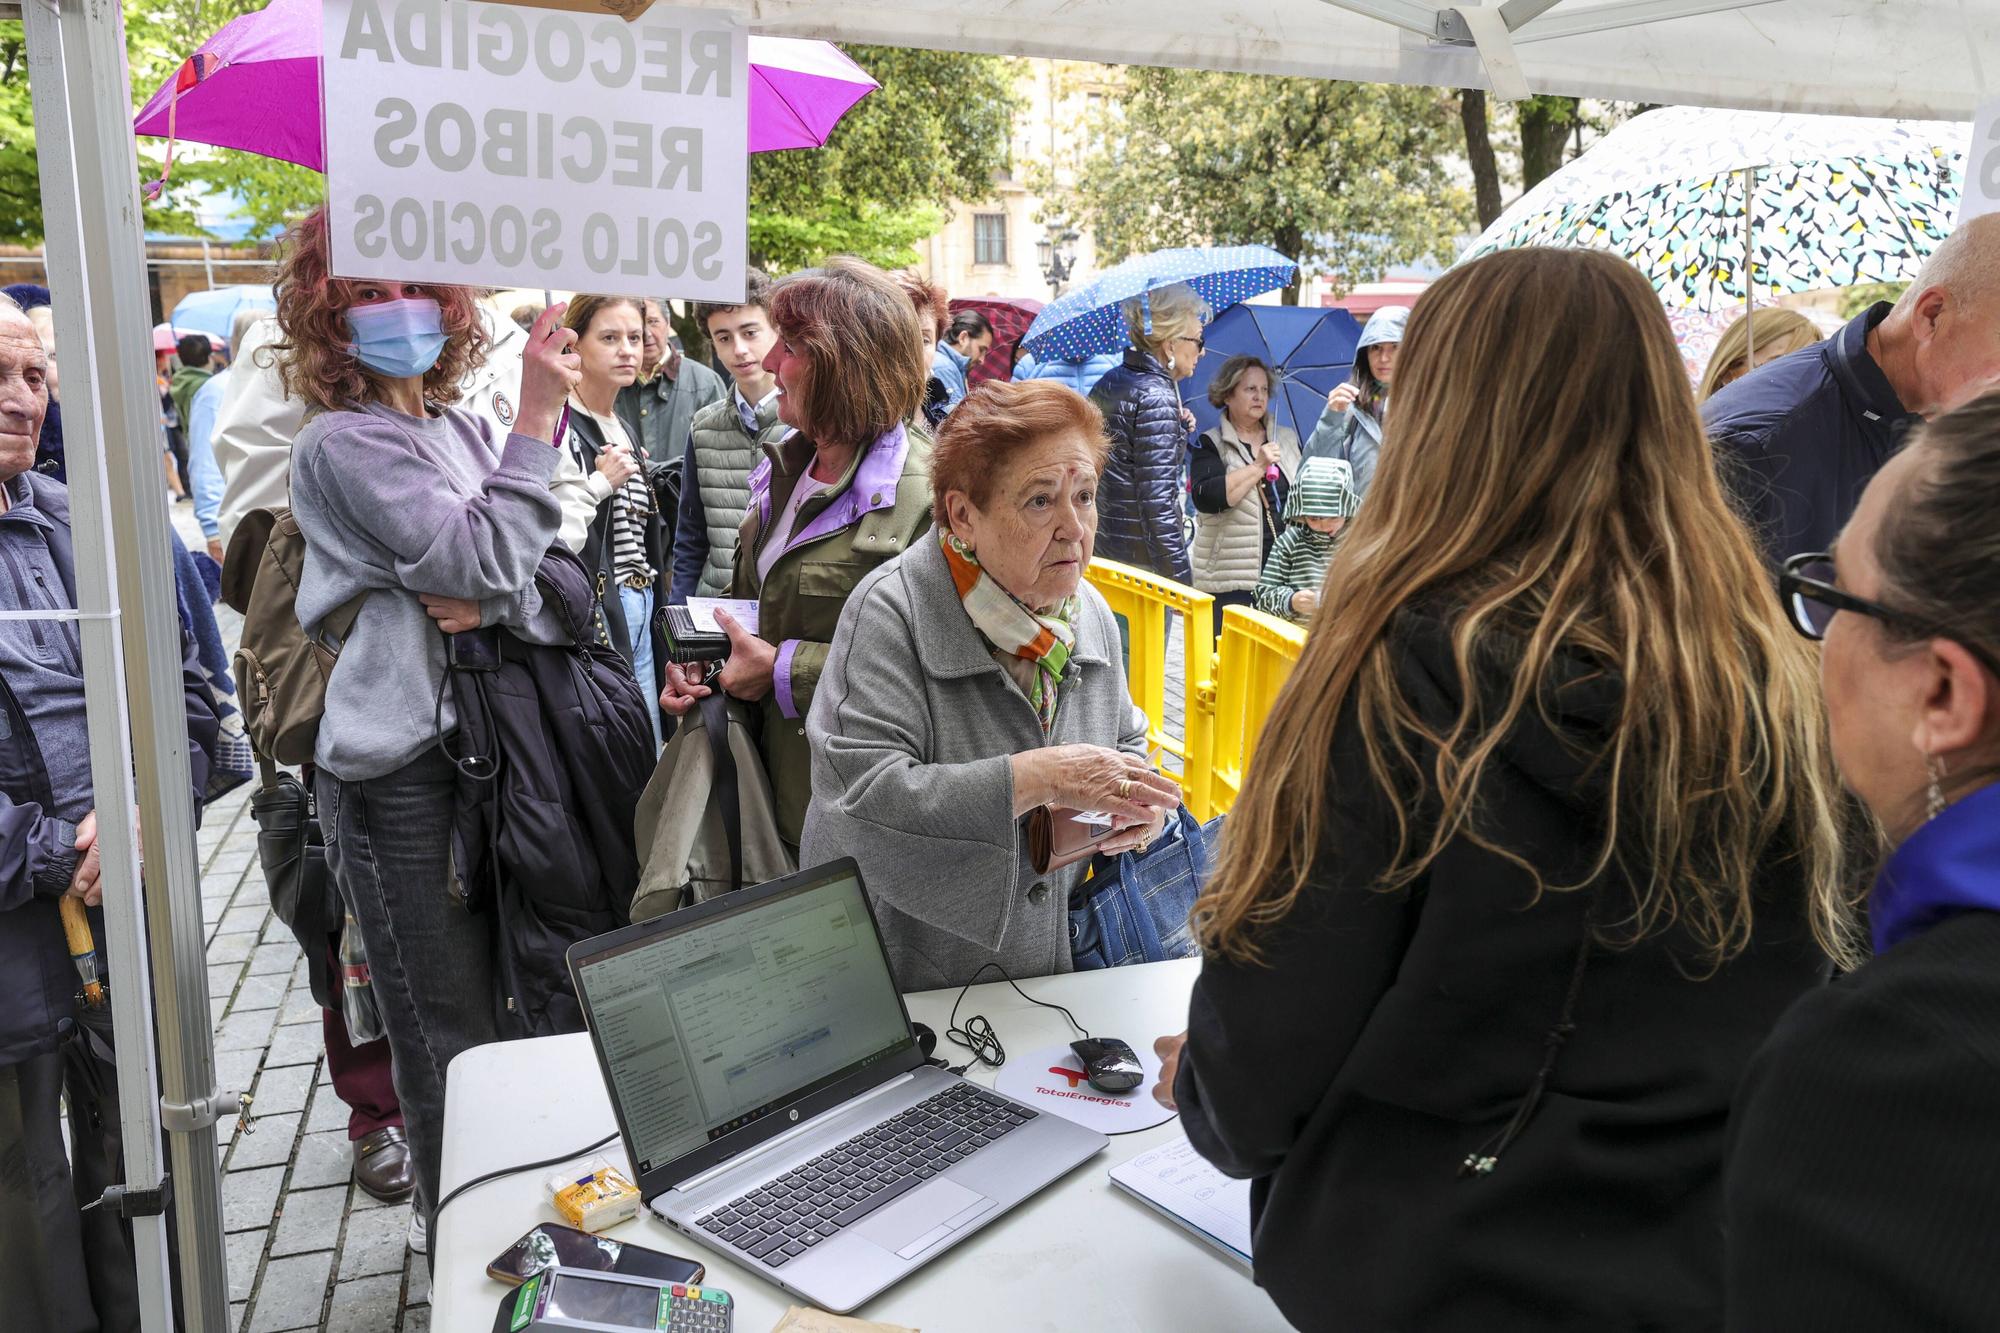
1052,1079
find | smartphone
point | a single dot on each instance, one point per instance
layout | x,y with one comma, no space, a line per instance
474,649
552,1244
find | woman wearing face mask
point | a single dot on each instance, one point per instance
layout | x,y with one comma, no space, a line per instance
1863,1167
417,513
1139,503
1351,426
628,543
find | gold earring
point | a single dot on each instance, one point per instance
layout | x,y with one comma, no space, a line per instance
1934,793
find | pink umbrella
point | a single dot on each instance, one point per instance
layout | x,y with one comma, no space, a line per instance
255,86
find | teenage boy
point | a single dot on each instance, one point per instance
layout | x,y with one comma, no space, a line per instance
725,441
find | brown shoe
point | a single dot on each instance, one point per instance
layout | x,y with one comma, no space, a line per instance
382,1165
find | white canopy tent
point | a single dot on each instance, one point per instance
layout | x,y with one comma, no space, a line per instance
1919,58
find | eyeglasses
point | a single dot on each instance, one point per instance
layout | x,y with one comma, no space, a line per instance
1806,585
1200,343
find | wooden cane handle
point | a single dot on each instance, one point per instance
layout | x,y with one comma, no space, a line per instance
82,945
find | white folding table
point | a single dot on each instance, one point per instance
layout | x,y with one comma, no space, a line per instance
1080,1255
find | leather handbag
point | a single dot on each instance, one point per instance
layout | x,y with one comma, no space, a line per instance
292,852
1134,907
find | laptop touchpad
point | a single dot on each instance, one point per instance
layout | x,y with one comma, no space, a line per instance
916,1215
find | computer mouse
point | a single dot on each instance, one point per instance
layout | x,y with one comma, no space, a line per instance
1109,1063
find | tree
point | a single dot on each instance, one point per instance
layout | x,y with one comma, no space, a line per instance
1479,155
936,130
1347,178
159,35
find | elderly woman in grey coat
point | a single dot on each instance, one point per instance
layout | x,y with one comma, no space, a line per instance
973,681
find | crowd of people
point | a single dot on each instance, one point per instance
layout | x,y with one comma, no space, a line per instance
1514,1003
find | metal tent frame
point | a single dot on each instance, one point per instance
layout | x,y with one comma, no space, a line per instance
129,627
127,612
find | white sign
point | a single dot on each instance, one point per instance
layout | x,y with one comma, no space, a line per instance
1982,165
513,146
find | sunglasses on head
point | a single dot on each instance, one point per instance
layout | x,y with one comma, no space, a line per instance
1807,587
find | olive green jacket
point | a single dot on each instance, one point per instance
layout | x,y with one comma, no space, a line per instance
875,512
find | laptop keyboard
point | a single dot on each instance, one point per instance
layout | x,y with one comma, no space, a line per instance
781,1220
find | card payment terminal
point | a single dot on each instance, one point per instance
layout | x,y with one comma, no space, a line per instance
577,1300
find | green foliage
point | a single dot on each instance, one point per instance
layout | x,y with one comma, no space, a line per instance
20,187
1854,300
936,130
1348,178
159,35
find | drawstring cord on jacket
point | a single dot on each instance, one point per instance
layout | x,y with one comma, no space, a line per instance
1482,1160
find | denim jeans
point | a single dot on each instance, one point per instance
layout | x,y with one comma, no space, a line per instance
388,843
638,603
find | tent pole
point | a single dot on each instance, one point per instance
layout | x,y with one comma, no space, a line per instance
81,88
1749,254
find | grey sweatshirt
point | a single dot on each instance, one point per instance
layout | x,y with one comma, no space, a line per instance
399,506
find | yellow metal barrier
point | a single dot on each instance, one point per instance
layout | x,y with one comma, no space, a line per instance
1255,656
1144,599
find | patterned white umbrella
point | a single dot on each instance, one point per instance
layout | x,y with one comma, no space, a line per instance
1833,201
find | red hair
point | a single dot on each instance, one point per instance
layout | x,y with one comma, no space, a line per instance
999,419
313,353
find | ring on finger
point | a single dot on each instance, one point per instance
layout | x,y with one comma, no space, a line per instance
1124,788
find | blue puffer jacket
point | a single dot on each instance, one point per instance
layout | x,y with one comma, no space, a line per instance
1140,516
1079,375
38,852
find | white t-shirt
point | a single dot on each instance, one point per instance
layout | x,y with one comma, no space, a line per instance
782,525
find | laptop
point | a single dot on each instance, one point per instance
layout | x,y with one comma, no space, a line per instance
774,1101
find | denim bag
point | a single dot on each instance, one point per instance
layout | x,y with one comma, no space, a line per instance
1134,908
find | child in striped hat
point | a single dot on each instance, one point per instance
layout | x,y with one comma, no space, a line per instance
1321,502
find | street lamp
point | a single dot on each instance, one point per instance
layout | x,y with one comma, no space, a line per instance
1056,253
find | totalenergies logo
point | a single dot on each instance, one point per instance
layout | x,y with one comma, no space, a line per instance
1076,1077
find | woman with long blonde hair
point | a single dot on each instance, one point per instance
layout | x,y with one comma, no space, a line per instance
1777,332
1541,838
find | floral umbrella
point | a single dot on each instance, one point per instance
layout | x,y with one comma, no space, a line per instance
1833,201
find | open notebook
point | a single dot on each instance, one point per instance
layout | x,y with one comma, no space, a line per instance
1175,1181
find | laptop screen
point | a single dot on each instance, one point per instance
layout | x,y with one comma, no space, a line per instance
708,1029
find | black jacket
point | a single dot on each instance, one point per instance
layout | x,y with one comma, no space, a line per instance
663,479
548,840
38,851
1393,1035
1864,1164
1140,517
1798,440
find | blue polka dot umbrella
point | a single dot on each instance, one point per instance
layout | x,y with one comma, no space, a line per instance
1090,321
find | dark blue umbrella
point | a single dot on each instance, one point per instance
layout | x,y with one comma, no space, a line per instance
1090,321
1311,346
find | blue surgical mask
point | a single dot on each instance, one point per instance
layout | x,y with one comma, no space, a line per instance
400,339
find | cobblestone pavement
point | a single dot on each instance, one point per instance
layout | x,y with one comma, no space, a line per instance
307,1249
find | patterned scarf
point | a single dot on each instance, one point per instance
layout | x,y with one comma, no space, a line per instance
1013,629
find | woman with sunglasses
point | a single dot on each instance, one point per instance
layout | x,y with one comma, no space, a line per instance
1141,499
1863,1184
